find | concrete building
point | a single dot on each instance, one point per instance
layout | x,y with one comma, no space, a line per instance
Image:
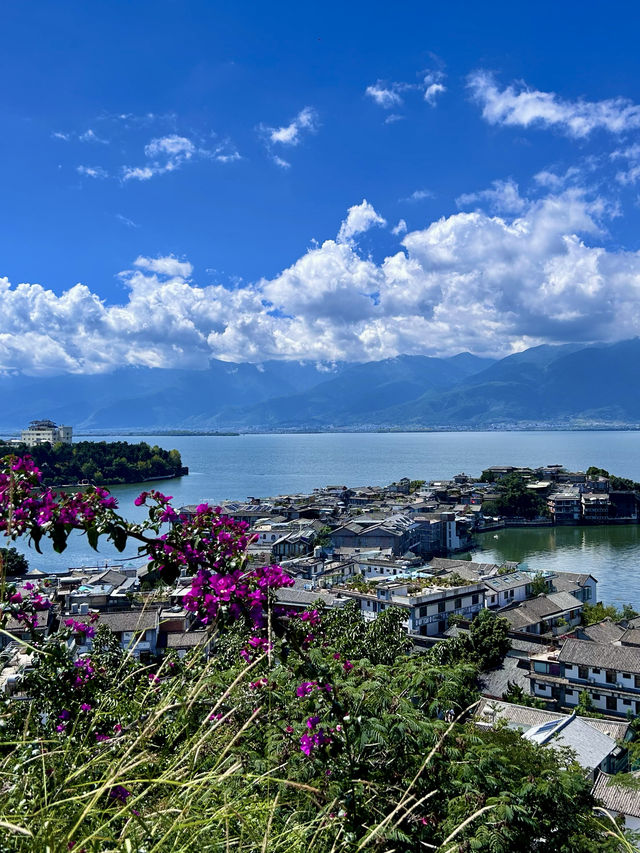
46,431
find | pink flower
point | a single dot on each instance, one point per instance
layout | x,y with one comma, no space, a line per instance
117,728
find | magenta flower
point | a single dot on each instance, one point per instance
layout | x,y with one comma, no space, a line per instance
347,666
312,722
85,706
117,728
305,688
306,744
101,738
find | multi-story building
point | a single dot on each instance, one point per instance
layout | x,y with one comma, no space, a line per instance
428,608
564,506
607,672
595,507
46,431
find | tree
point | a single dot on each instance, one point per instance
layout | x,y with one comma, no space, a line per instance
593,613
12,562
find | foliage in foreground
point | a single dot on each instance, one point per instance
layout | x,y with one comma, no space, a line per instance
302,732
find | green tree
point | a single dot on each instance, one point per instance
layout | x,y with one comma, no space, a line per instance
13,563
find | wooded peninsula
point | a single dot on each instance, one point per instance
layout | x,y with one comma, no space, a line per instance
100,462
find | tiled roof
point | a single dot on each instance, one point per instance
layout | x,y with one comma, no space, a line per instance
523,717
620,799
129,620
604,632
604,655
187,640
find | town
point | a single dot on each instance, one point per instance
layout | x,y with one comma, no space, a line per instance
376,548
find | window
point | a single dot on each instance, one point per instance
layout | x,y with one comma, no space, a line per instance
626,701
636,681
612,703
505,595
457,604
475,598
423,610
611,676
441,607
595,670
442,627
583,672
512,592
493,599
626,675
595,697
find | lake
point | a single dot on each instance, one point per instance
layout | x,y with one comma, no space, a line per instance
235,467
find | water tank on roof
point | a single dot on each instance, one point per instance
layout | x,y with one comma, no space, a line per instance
84,609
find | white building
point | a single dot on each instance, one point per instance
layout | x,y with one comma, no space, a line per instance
46,431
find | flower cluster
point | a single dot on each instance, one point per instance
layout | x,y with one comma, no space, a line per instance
26,506
308,742
240,592
307,687
85,671
80,628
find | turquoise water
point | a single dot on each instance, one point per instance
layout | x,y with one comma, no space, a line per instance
262,465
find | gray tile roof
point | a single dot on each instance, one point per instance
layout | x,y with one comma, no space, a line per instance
603,655
496,682
617,798
604,632
129,620
536,609
591,746
522,717
187,640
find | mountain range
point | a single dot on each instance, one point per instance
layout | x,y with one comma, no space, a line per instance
565,385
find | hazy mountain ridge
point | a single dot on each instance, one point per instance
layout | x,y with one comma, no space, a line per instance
572,384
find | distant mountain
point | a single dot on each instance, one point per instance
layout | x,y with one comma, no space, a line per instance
360,393
568,384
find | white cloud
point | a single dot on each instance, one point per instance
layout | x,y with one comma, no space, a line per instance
386,95
392,118
400,228
631,173
433,87
390,95
360,218
90,136
126,221
169,153
520,106
291,134
503,197
92,171
418,195
279,161
167,265
470,281
65,137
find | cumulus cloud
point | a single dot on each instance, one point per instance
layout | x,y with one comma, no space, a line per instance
519,106
479,281
360,218
168,266
400,228
502,197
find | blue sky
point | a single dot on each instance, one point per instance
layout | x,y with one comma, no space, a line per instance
176,179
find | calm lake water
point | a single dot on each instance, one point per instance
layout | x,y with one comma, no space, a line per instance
262,465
